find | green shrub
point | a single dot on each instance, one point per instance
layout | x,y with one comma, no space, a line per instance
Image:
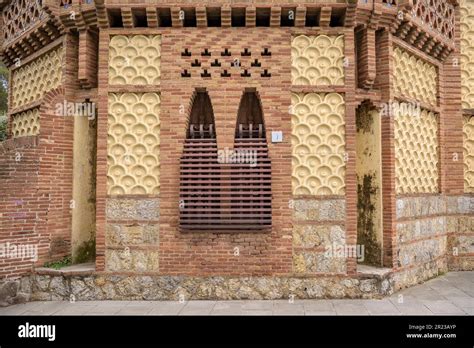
3,128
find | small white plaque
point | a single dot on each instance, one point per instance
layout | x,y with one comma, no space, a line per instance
277,136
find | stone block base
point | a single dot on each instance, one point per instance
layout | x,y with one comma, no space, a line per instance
50,285
120,287
15,291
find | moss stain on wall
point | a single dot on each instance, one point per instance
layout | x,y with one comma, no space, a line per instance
369,194
366,229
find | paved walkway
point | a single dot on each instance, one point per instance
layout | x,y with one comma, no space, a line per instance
452,294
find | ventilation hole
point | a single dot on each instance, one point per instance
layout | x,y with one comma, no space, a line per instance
225,74
206,53
288,17
205,73
186,53
338,16
238,16
216,63
164,17
185,73
139,18
226,53
263,17
213,15
115,18
265,73
246,53
256,63
312,16
196,63
266,52
189,17
245,73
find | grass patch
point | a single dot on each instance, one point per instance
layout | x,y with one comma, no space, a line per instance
67,261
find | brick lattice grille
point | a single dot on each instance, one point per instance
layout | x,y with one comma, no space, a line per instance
19,16
218,191
437,14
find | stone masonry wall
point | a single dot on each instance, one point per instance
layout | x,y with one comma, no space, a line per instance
132,234
461,233
50,286
428,240
318,234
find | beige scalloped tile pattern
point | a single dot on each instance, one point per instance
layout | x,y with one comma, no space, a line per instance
467,53
133,144
32,81
468,132
414,78
26,123
318,140
416,153
317,60
135,60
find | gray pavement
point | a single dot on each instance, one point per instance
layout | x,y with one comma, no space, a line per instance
451,294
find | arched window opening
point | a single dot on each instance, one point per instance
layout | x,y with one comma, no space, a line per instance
250,117
201,120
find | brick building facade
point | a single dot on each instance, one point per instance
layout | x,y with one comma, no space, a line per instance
358,114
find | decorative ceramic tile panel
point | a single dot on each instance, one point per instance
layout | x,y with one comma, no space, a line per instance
32,81
467,53
413,78
416,153
468,131
26,123
133,143
135,60
318,140
317,60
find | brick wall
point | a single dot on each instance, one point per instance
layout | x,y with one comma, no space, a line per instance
36,177
20,211
211,252
139,233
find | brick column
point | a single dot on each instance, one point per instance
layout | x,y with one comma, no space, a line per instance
102,115
451,121
383,82
351,176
